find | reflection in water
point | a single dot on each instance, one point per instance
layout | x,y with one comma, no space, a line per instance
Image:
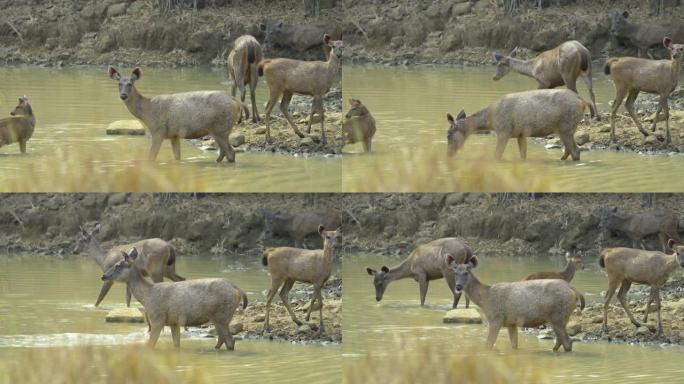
398,321
410,107
69,150
46,303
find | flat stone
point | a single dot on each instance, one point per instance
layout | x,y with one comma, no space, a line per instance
304,328
259,318
260,131
306,142
574,328
463,316
582,138
236,139
126,127
546,334
125,315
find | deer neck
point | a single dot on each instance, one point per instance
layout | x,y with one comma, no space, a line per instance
333,64
95,249
479,121
328,251
523,67
138,104
672,263
139,287
569,271
401,271
675,68
477,292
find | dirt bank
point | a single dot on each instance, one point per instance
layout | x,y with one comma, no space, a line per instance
249,323
127,32
231,225
447,32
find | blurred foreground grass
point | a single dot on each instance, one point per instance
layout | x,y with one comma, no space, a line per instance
426,363
133,364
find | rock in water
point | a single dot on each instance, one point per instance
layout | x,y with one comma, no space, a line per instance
463,316
126,127
125,315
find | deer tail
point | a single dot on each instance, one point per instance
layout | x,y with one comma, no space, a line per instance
172,255
584,61
251,53
260,67
602,259
580,296
608,64
264,259
244,297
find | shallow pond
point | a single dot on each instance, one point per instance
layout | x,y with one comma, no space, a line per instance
49,304
69,150
410,107
398,321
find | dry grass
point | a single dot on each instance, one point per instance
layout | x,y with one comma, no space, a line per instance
426,363
99,365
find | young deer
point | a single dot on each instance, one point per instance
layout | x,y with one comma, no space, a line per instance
632,75
157,259
287,77
426,262
574,263
519,304
359,125
625,266
558,66
242,67
18,128
189,115
288,265
521,115
186,303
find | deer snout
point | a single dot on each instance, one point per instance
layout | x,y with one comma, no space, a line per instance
378,298
123,96
104,277
458,288
12,113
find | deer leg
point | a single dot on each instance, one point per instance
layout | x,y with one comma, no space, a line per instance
501,142
622,294
175,145
156,145
513,336
612,286
586,77
311,115
321,327
423,285
311,304
660,321
367,145
225,337
321,113
252,92
22,146
493,334
648,304
154,334
666,108
451,283
663,241
571,147
284,104
103,291
226,148
284,292
275,284
619,96
272,99
175,334
128,296
522,147
629,105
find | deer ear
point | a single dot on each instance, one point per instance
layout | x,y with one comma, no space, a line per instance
321,228
113,73
262,27
514,52
625,14
370,271
667,42
327,38
132,254
461,115
671,243
136,74
384,269
498,56
450,260
450,118
474,262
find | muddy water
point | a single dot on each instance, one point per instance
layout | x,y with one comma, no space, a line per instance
69,150
49,304
410,106
398,321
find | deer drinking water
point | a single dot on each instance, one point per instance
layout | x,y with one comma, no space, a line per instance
181,304
18,128
528,303
521,115
632,75
359,125
426,262
286,77
558,66
189,115
639,225
242,67
625,266
157,259
288,265
574,263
